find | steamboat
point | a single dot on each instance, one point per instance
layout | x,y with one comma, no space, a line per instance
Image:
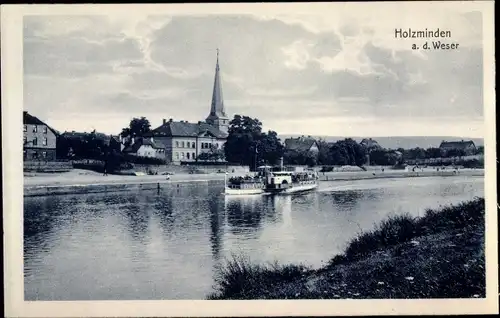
272,180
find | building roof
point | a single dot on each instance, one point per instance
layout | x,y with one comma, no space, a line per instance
146,142
300,143
32,120
370,143
457,144
186,129
217,109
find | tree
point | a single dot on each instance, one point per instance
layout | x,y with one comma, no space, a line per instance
94,148
62,147
354,153
455,152
433,152
296,157
269,148
215,154
125,132
415,153
138,127
324,157
246,144
480,150
381,158
342,152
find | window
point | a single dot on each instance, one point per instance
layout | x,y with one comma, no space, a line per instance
193,145
35,141
44,154
182,155
34,129
45,141
25,128
44,129
194,156
177,145
187,155
177,155
182,144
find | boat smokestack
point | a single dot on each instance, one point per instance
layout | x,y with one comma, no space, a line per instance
281,162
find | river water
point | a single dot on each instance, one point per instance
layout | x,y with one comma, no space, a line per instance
142,245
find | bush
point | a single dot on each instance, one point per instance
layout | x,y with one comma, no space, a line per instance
463,215
144,160
474,163
403,228
239,276
394,230
326,169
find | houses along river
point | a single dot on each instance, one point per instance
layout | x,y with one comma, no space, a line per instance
166,245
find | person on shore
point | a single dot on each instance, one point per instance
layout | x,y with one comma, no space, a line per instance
105,168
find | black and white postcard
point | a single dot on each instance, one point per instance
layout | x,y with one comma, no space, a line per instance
249,159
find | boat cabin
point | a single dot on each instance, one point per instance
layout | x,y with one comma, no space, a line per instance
279,179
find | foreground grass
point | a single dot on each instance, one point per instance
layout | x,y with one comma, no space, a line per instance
439,255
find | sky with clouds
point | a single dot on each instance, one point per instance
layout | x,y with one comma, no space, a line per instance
335,73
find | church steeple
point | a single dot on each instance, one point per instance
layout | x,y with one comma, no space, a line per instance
217,116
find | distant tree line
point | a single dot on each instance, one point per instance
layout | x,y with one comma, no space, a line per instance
343,152
421,153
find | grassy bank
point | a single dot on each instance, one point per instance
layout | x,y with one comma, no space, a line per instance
439,255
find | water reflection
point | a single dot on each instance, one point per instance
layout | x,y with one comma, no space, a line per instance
137,220
216,224
43,217
283,208
163,210
346,199
243,213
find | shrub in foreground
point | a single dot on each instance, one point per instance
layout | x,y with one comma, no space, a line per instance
239,275
403,228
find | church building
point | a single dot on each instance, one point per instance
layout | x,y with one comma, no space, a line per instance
184,141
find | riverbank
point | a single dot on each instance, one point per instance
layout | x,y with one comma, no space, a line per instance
440,255
82,181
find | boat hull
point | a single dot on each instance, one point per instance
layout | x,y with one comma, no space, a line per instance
294,188
229,191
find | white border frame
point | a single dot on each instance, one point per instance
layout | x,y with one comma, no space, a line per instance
12,106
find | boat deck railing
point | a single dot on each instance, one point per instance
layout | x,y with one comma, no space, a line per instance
247,185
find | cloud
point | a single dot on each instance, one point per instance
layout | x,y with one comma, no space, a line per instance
344,64
72,54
